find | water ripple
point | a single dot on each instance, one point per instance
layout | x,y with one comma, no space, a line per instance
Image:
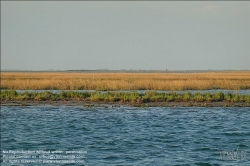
130,136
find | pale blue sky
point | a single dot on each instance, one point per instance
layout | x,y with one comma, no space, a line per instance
146,35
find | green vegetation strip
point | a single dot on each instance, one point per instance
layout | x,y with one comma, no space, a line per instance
148,96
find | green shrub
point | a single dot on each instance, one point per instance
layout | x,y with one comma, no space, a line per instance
208,97
218,96
228,97
170,97
187,97
145,99
157,98
198,97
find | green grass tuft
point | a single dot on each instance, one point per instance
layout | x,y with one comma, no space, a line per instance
148,96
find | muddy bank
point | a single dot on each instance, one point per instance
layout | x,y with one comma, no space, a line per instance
118,104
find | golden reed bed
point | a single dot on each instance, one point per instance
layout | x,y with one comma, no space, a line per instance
125,81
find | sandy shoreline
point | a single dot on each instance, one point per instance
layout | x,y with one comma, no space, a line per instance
118,104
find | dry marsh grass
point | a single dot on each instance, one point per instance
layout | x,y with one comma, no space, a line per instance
124,81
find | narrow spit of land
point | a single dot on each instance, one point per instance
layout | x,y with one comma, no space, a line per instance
115,99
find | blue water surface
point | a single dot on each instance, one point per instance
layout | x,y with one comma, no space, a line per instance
129,136
241,92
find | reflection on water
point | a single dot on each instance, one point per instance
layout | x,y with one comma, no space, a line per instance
130,136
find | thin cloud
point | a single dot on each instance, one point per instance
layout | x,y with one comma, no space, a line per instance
210,8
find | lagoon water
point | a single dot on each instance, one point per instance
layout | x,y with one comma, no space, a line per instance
126,135
241,92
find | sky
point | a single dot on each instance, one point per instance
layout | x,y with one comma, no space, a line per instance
141,35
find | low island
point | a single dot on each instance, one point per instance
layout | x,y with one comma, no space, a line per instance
116,89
